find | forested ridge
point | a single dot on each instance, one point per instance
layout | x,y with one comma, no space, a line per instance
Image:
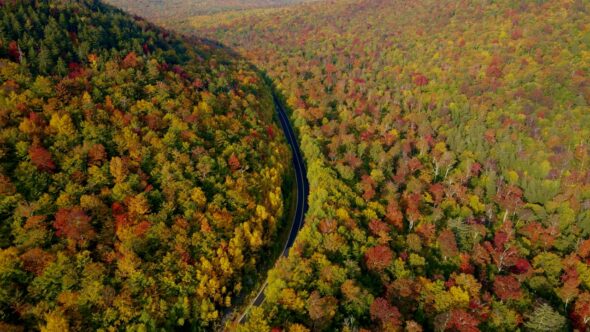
447,147
140,172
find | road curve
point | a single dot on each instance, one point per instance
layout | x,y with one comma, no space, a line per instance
302,193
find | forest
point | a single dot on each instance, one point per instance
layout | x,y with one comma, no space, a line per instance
447,147
141,173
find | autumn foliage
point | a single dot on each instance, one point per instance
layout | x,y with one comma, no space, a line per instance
378,258
42,159
73,224
448,158
119,208
446,145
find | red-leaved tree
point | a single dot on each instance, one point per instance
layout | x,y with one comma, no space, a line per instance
507,287
73,224
385,314
42,159
461,321
234,162
378,258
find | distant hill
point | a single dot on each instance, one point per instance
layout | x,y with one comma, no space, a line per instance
170,10
140,173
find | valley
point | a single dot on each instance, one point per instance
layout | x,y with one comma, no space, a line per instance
436,154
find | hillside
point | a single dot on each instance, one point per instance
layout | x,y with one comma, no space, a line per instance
447,146
140,173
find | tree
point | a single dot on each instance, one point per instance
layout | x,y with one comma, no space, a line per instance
545,319
584,249
461,321
321,309
130,60
118,169
96,154
55,322
420,79
198,196
257,322
581,311
11,276
73,224
510,198
234,162
378,228
298,328
14,51
36,260
448,244
138,206
60,67
394,215
42,158
550,265
507,287
378,257
385,314
45,62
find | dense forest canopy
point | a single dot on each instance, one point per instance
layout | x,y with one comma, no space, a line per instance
140,174
447,146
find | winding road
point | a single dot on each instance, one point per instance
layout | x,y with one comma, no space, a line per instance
302,193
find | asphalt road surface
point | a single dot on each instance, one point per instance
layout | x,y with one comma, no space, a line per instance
302,193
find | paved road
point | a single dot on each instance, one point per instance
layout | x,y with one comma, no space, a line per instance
302,193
